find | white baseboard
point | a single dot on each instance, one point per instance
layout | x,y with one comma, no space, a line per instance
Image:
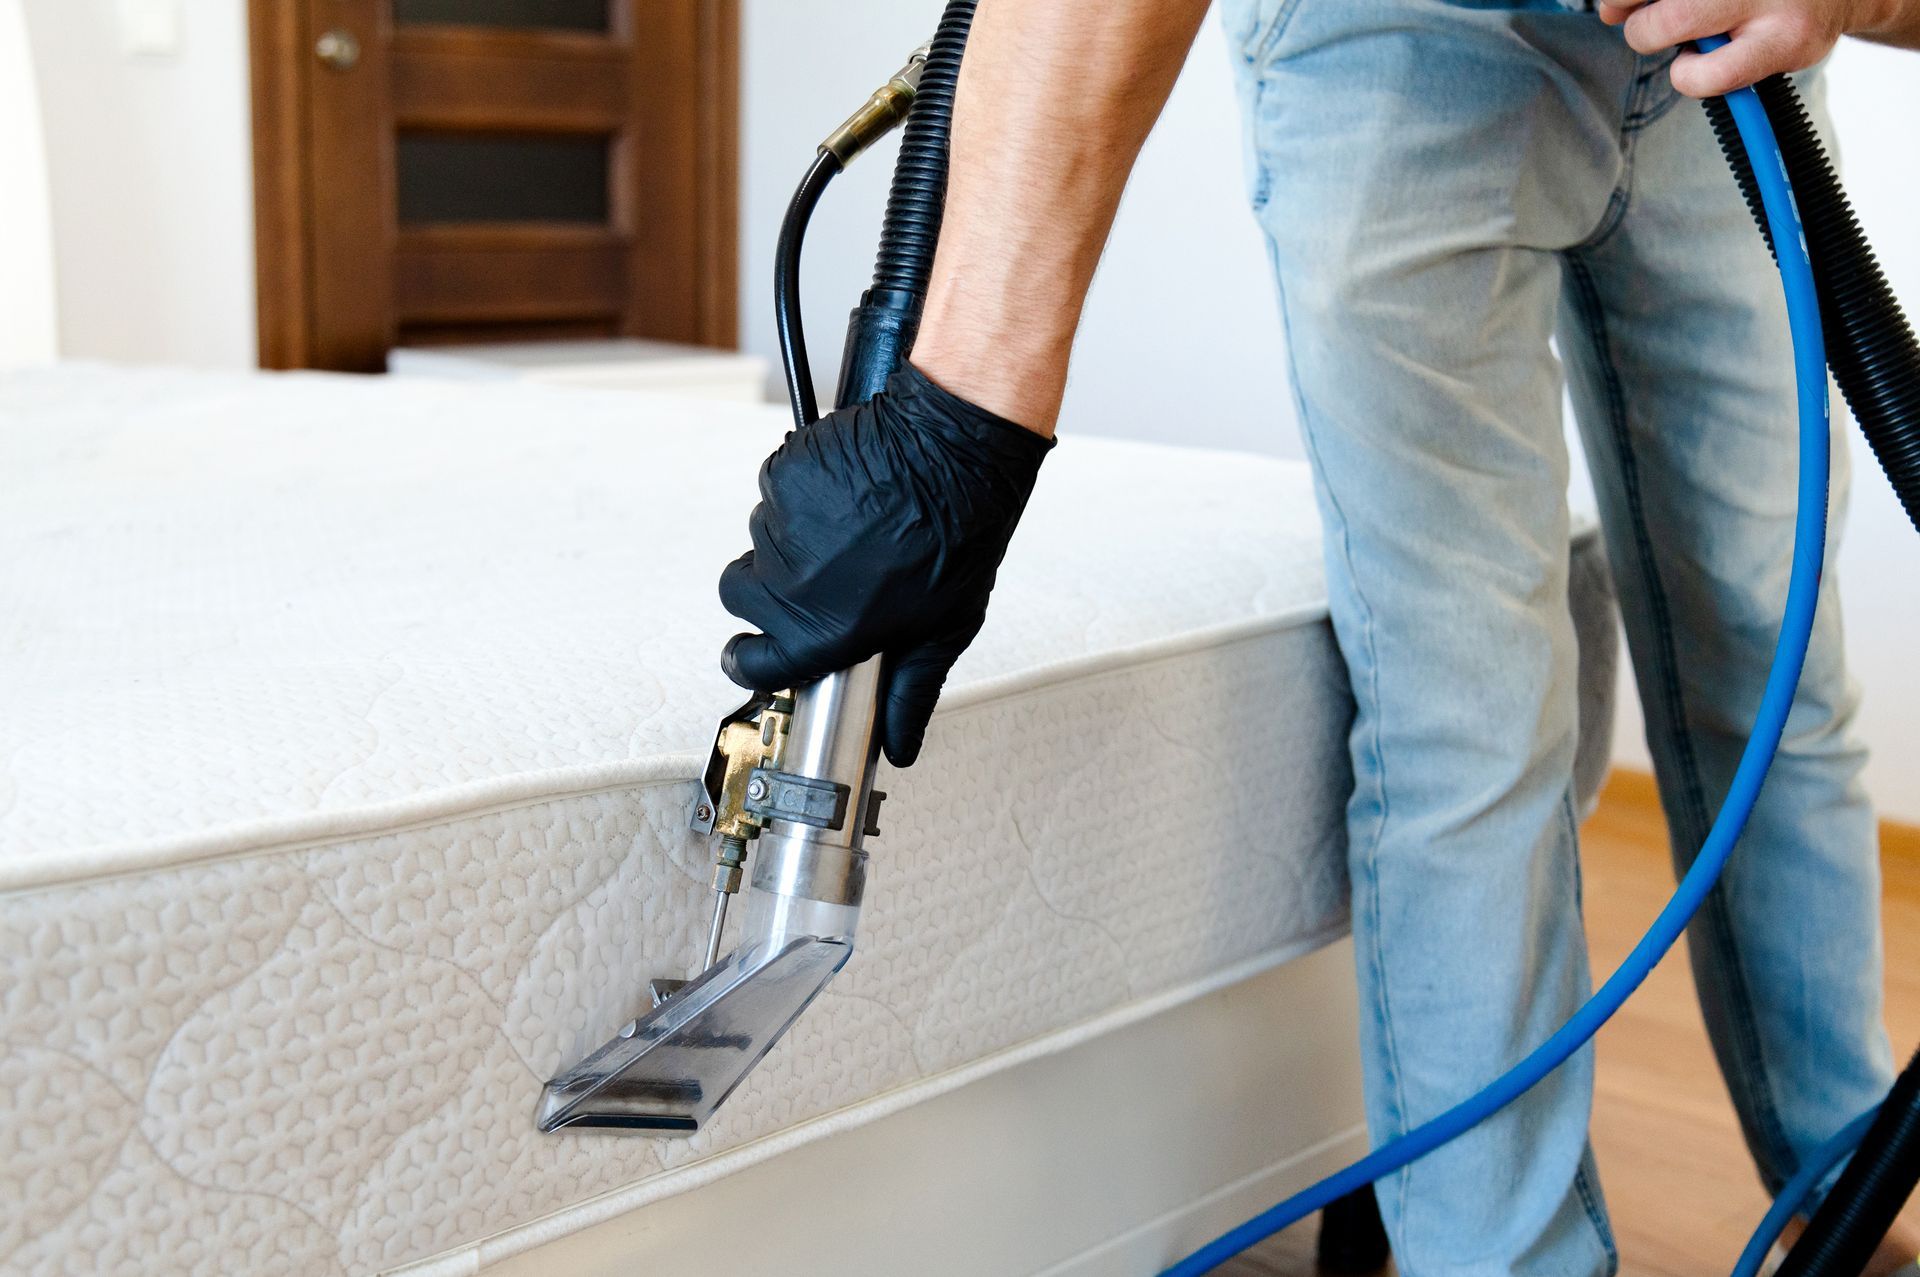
1149,1247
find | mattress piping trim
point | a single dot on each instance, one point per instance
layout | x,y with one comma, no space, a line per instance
306,830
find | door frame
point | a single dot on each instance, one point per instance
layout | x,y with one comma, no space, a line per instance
694,134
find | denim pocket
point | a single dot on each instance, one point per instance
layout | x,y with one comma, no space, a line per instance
1253,26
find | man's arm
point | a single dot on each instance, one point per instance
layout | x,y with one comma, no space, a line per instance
1769,36
1054,101
881,527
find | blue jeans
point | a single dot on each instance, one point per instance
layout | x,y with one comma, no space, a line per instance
1445,187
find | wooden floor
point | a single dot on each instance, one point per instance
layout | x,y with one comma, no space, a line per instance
1678,1181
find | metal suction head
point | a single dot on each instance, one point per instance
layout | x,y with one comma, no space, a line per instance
670,1069
794,776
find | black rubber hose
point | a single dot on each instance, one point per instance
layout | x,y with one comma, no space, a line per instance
883,326
1843,1233
1870,346
919,191
789,330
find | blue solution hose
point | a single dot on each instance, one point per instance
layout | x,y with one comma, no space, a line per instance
1790,653
1798,1189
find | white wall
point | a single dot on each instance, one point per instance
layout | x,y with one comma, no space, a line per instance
151,178
1875,98
27,306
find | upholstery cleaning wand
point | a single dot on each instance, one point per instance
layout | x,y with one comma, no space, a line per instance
790,774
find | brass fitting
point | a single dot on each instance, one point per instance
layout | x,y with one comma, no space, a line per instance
881,113
748,744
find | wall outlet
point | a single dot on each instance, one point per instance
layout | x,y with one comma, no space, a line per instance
150,28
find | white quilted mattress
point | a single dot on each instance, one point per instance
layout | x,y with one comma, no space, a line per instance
347,729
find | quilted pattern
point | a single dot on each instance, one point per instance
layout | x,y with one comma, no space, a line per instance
328,1058
345,764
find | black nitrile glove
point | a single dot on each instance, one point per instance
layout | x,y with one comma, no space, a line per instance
880,528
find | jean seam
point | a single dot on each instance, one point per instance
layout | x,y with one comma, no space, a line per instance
1645,113
1263,183
1261,46
1582,1182
1750,1073
1570,817
1597,1216
1586,299
1374,957
1615,214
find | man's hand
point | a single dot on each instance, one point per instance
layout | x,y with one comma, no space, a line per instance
1768,36
880,529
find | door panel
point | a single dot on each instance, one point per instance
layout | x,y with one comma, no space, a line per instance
451,275
470,168
455,78
506,177
572,15
663,179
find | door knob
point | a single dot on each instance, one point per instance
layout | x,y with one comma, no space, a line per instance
338,49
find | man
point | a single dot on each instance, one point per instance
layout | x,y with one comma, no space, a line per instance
1444,188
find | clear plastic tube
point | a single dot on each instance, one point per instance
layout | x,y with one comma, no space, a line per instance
773,919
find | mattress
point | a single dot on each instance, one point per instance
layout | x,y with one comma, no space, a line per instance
347,736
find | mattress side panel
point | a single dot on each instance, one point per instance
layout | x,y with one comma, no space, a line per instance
327,1059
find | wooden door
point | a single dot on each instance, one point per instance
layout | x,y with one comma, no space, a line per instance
437,171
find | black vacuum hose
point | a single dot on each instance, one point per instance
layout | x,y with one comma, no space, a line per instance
912,227
1870,346
882,327
1868,1196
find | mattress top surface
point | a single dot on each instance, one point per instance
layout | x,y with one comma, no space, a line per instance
249,609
